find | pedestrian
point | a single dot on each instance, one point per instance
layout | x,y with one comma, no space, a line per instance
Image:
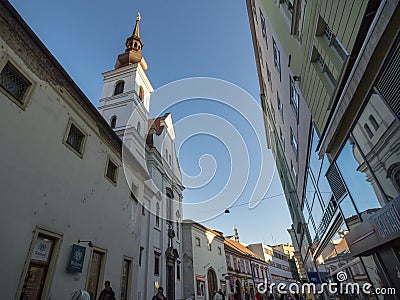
258,296
247,296
80,295
160,294
217,296
222,294
107,293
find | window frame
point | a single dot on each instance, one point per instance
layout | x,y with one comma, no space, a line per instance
117,85
27,93
277,58
66,135
156,270
112,180
295,104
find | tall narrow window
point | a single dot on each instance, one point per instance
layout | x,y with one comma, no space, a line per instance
263,28
293,142
280,105
140,255
138,127
112,171
156,263
178,270
177,229
373,122
368,131
141,93
119,88
277,58
294,97
113,122
157,214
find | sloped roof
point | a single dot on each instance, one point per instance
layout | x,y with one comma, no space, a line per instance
240,248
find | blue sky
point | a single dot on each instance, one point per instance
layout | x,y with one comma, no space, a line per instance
182,39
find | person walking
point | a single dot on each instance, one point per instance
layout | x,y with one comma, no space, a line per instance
222,294
217,296
160,294
107,293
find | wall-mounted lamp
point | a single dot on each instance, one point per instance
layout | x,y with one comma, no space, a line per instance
89,243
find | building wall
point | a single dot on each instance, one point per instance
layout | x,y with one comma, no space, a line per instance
198,259
338,49
47,186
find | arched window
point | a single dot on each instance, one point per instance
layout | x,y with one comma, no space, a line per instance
119,88
157,215
141,93
394,175
373,122
396,179
113,122
368,130
138,127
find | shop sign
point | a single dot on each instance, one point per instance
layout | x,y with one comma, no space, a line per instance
76,259
42,249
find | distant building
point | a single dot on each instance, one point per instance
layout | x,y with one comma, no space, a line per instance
278,263
293,263
204,265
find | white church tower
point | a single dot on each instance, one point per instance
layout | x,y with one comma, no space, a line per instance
126,90
125,104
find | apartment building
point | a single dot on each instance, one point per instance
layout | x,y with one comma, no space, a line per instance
342,57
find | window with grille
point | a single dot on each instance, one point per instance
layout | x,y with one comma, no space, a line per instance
13,82
112,171
75,138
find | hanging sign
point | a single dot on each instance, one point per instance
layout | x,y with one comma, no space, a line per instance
76,259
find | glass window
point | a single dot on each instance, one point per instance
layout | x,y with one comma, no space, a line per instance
378,142
294,97
355,174
277,58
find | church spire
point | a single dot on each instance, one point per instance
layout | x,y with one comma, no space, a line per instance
134,42
134,45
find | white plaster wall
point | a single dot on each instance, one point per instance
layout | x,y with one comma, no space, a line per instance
203,259
45,184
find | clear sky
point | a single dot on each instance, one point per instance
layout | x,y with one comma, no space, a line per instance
182,39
